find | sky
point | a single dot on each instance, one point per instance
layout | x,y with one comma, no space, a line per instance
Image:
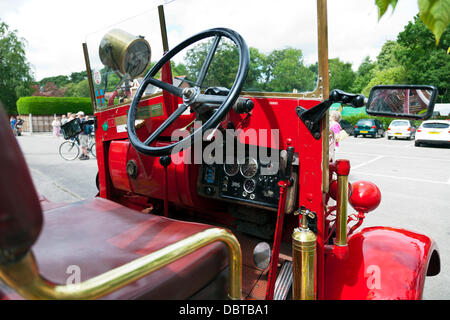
54,30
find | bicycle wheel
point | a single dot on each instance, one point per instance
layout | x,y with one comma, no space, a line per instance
93,150
69,150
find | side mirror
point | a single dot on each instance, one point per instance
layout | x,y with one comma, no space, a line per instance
402,101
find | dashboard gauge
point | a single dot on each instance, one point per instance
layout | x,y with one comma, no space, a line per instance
270,169
249,168
249,185
231,169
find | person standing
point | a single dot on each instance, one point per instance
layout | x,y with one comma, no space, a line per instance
335,118
64,119
84,136
19,123
12,121
56,124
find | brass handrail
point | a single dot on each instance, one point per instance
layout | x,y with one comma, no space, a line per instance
23,276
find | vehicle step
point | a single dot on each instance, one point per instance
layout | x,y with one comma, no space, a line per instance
284,282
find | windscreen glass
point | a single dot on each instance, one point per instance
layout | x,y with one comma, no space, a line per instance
282,40
435,125
399,124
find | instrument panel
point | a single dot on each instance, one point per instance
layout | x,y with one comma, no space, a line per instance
251,182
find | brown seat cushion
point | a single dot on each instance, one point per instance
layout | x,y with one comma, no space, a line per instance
98,235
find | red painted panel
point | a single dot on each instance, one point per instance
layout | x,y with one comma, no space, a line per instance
118,153
270,114
382,263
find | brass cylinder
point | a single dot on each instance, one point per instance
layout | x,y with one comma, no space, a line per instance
341,213
304,257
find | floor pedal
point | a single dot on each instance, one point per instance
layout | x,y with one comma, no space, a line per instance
284,282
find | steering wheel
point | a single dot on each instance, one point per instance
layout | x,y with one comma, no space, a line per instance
192,95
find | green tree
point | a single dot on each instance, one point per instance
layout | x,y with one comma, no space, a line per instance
284,71
223,68
387,58
394,75
82,89
425,63
342,75
59,81
76,77
255,74
15,72
70,90
363,75
178,69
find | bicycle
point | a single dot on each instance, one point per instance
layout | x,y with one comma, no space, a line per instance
70,150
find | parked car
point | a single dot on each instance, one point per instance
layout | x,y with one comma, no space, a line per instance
401,129
347,126
433,132
369,127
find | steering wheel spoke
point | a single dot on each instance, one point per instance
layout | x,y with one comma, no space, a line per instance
208,60
165,86
175,115
210,99
191,96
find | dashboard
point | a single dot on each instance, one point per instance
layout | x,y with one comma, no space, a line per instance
249,181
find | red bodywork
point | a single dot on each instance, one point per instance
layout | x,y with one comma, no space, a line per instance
382,263
402,257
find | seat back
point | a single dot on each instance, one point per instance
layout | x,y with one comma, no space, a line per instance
21,216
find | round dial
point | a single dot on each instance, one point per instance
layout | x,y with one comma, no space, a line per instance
231,169
249,185
249,168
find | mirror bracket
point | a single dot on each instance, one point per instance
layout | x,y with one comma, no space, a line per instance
313,117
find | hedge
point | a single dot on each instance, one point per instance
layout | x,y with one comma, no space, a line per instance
53,105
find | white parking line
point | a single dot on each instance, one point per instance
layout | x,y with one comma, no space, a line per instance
392,156
401,178
366,163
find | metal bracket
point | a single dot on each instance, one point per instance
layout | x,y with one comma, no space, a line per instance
312,117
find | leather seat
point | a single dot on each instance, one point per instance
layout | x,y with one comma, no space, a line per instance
95,236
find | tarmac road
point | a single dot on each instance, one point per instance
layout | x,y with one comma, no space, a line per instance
414,182
55,178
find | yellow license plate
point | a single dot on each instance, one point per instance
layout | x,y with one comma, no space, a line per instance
398,134
364,131
433,132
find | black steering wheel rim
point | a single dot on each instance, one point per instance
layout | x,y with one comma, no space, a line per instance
216,118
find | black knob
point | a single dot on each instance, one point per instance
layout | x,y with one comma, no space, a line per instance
209,191
165,161
359,101
243,105
335,96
